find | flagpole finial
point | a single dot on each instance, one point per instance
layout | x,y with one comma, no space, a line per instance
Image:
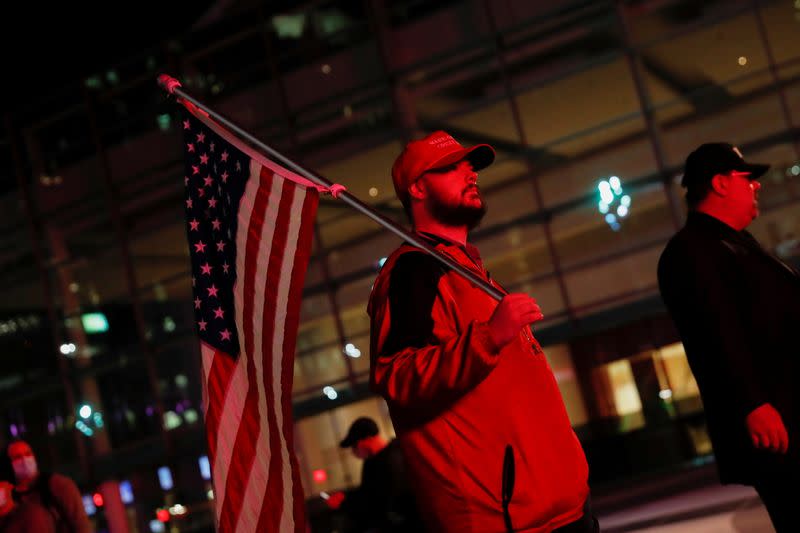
168,83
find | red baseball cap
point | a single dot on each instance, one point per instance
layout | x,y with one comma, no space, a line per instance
437,150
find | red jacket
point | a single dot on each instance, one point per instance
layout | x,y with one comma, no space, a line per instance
456,402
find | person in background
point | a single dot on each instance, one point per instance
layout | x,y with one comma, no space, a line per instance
25,518
39,493
737,309
384,502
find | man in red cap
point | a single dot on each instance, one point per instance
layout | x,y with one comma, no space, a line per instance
474,402
737,309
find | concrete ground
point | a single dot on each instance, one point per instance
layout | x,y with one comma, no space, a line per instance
708,509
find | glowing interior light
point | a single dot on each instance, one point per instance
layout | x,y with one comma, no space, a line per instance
191,416
330,392
622,211
205,467
615,183
85,411
88,504
177,510
603,207
351,350
126,492
625,200
94,322
665,394
320,475
67,348
605,192
172,420
165,478
611,218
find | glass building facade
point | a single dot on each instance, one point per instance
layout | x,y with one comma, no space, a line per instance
97,308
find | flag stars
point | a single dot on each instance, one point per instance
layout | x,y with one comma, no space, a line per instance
238,166
212,291
190,147
225,177
185,181
221,248
225,334
186,124
195,170
200,247
225,155
201,192
204,159
212,202
208,180
202,325
211,147
225,267
197,302
194,223
206,269
216,225
219,312
201,137
189,203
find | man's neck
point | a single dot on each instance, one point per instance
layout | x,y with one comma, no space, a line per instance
376,444
457,234
24,486
720,214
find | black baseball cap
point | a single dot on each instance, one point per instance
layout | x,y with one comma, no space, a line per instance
711,159
360,429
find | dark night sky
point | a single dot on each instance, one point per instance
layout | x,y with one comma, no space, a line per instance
50,44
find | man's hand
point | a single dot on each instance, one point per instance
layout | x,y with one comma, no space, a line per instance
335,500
514,312
767,430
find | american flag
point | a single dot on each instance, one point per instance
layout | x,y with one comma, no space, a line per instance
249,231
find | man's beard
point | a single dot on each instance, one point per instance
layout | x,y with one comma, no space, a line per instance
461,215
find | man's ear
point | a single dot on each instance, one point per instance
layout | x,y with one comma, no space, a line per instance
417,190
720,184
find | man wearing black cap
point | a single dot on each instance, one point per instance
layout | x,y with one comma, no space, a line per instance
477,410
737,309
383,502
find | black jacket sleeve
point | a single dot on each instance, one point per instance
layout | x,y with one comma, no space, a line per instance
703,290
